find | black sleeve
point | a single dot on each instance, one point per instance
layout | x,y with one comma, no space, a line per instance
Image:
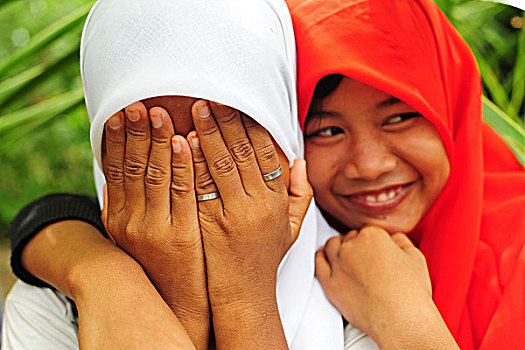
43,212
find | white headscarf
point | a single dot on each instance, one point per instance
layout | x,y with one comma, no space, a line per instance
237,52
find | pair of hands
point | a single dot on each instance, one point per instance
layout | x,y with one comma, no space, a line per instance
224,252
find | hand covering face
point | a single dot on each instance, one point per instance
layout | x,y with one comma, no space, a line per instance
239,53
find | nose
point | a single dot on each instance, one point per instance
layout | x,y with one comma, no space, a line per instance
369,159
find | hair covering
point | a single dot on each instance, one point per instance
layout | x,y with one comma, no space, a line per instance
237,52
473,235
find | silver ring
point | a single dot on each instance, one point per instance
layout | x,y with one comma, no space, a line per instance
273,175
207,196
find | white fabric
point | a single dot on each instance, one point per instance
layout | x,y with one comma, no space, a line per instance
37,319
237,52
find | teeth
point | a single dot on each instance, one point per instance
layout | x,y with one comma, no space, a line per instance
382,197
371,198
391,194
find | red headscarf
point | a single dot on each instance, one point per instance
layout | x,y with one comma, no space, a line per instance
473,236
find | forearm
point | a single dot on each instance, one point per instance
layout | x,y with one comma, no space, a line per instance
112,293
175,281
59,251
249,323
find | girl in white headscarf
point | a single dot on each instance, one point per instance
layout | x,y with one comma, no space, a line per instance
240,53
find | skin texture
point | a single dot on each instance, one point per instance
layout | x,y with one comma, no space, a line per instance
85,272
361,142
150,178
139,199
359,146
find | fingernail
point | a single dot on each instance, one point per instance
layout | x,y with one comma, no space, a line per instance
115,122
194,140
157,120
177,147
203,110
133,115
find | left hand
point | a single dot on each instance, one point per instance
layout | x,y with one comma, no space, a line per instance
381,285
247,231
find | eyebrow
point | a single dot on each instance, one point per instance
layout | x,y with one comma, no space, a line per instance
388,102
321,114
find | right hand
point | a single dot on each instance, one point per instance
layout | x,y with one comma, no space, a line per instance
381,285
159,227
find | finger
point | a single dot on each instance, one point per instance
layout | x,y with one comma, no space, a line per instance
402,241
183,201
203,181
239,145
158,175
265,152
350,235
323,270
220,162
137,153
332,247
300,195
114,163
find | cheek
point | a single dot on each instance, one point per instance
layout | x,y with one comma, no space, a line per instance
320,166
425,151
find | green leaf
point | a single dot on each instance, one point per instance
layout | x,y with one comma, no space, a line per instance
40,111
45,37
518,81
511,132
13,85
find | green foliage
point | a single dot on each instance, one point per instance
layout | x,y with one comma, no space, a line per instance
44,129
498,46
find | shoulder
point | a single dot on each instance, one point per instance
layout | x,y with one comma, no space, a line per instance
38,318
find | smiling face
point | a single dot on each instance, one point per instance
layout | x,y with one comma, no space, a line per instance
372,159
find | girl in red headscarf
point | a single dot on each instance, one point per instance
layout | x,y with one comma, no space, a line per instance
390,102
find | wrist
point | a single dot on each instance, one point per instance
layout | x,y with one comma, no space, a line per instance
418,326
239,293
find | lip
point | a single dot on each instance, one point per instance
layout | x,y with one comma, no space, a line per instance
402,191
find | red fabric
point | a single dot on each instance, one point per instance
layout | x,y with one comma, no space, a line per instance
473,236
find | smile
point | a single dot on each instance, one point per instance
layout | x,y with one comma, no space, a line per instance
386,198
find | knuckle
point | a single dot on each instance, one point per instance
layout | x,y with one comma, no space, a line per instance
138,134
211,129
134,166
242,151
156,175
114,174
180,190
161,141
266,152
204,181
114,142
181,184
223,165
131,234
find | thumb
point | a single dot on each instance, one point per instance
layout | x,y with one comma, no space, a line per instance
300,196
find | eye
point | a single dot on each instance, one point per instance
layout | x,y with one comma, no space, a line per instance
400,118
326,132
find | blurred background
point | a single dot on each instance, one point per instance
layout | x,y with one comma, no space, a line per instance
44,128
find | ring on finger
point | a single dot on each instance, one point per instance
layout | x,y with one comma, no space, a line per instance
208,196
273,175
